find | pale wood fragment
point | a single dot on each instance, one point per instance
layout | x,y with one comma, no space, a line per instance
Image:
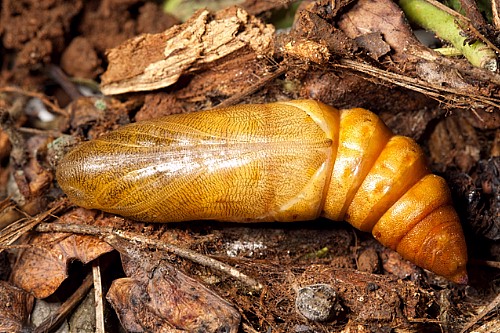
154,61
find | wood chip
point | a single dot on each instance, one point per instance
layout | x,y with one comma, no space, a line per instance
156,61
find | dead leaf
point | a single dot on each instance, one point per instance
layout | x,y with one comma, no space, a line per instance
157,297
15,307
42,267
382,17
374,44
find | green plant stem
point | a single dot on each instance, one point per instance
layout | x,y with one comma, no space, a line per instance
445,26
448,51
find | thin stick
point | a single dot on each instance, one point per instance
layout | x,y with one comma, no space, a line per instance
53,321
424,87
109,235
40,96
62,79
37,131
488,263
14,231
492,305
495,10
99,304
472,12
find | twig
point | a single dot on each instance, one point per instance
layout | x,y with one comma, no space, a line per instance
440,93
62,79
248,328
11,233
40,96
487,263
36,131
495,10
469,8
99,304
54,320
109,235
491,306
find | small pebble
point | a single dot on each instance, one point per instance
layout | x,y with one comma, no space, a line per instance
318,302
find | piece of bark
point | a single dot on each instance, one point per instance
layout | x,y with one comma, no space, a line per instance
151,62
309,27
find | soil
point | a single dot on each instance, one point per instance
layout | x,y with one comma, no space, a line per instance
58,57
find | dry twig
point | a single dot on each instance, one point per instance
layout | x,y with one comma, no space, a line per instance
14,231
109,235
442,94
40,96
491,306
54,320
235,99
98,293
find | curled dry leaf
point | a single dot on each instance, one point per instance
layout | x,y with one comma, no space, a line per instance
368,21
156,61
26,179
15,307
42,267
157,297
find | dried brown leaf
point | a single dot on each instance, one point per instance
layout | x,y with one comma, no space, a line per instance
42,267
374,43
383,17
15,307
157,297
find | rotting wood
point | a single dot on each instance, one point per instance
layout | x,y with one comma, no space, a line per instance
151,62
